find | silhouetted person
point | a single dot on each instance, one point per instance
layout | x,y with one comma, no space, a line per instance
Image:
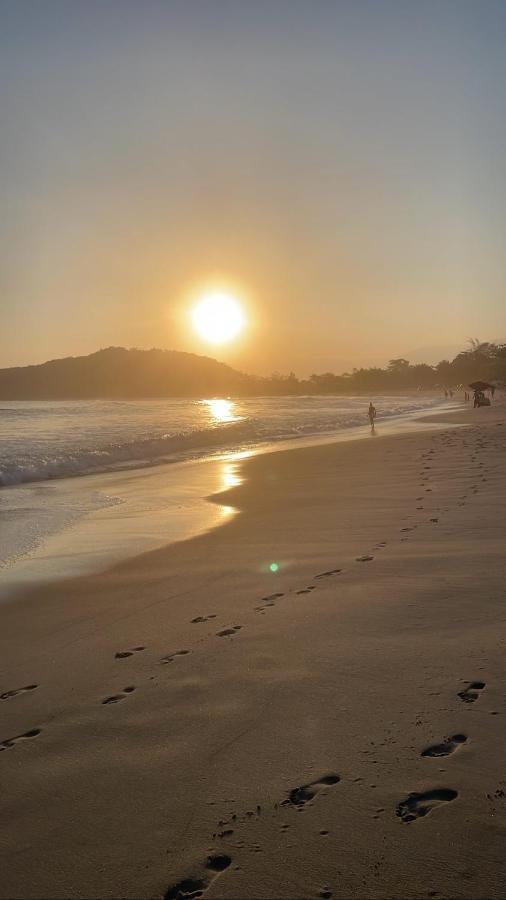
492,390
372,414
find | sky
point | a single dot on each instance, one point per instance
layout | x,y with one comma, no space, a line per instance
339,165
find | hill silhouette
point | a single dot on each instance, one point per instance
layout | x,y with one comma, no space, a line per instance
121,374
117,373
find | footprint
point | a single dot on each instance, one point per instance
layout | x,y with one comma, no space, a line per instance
417,805
435,520
307,590
268,601
299,796
196,885
329,573
4,745
448,746
115,698
227,631
9,694
364,558
122,654
470,693
167,659
203,618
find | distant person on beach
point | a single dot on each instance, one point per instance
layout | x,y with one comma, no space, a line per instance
372,414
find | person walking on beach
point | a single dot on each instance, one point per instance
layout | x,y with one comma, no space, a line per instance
372,414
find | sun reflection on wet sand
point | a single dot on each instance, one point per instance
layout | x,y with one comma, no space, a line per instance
226,512
230,476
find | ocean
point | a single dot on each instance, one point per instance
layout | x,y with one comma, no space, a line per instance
68,467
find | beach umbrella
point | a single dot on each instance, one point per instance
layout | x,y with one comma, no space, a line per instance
480,386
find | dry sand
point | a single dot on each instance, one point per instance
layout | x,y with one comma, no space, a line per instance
265,735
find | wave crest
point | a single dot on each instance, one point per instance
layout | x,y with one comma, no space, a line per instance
136,453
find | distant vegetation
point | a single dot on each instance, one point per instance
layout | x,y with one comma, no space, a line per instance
117,373
481,361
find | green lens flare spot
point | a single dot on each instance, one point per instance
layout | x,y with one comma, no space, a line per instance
274,567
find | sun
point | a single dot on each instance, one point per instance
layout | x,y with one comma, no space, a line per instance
217,317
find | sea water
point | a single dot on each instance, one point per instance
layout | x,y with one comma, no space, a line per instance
81,481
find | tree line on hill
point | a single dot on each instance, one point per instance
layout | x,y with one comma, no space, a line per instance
117,373
481,361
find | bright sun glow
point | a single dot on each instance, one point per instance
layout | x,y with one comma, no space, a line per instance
221,410
218,318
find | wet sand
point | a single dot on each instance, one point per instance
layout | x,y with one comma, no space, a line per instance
192,723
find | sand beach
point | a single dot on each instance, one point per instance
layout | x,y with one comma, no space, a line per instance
306,701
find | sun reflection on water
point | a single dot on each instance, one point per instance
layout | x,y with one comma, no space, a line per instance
222,410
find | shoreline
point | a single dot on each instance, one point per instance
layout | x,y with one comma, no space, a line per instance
154,506
191,716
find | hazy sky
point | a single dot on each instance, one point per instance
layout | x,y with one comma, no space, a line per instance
342,162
